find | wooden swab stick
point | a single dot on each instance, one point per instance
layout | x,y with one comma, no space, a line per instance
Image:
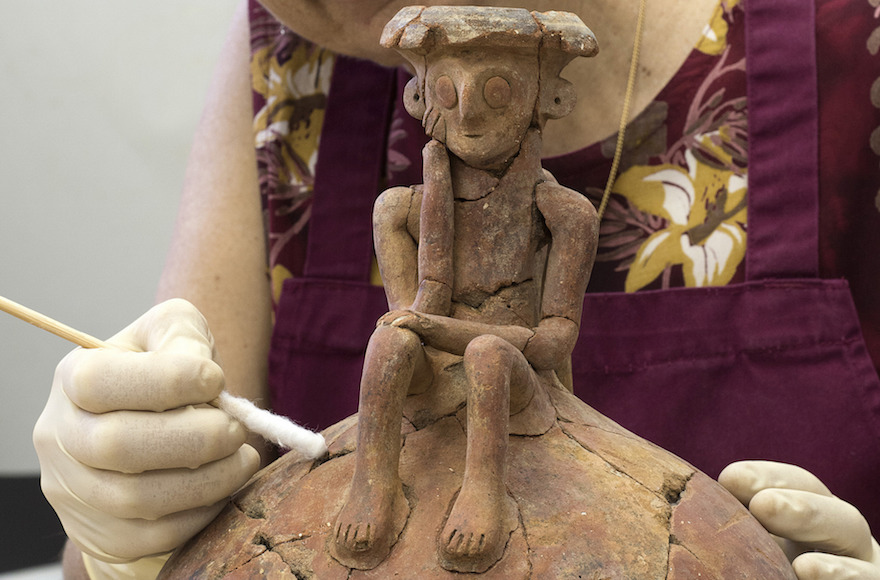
272,427
57,328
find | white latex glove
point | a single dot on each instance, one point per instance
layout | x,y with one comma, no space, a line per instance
825,537
132,459
143,569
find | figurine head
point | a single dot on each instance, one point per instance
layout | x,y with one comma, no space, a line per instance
484,76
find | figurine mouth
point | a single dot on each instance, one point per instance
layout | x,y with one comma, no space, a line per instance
473,135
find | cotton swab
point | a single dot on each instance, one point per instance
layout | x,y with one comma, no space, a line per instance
270,426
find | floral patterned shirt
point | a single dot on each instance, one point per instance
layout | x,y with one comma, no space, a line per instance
677,215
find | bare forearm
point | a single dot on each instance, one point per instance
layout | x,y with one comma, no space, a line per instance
217,257
72,563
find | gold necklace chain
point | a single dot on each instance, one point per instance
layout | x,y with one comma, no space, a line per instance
627,103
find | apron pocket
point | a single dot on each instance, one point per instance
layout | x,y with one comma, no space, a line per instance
764,370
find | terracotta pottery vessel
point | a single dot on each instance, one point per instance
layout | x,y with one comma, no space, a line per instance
593,501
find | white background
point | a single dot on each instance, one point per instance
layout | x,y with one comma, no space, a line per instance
98,103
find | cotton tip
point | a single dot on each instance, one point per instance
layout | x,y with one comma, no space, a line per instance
275,428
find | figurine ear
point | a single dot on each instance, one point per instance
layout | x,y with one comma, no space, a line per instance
413,99
558,100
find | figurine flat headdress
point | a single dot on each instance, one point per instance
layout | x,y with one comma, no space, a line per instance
556,38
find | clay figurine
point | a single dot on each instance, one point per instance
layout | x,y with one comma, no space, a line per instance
487,260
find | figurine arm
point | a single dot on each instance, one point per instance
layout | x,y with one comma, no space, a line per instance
412,230
435,233
395,231
574,232
451,334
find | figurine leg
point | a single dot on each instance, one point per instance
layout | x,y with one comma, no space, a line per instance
483,515
375,510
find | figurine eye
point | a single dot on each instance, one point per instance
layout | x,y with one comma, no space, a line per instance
497,92
444,92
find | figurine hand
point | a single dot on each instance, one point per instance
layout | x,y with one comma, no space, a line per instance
390,316
825,537
131,458
404,319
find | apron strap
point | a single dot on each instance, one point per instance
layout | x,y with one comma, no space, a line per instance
351,158
783,212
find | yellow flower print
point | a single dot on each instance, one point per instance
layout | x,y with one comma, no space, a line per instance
277,276
295,96
705,211
714,39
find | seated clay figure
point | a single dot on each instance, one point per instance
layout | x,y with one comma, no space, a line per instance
487,261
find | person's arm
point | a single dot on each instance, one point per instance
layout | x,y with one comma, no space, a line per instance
217,258
72,563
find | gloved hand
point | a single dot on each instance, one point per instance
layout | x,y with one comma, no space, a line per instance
132,458
825,537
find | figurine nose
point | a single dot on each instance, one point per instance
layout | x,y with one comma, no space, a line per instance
470,103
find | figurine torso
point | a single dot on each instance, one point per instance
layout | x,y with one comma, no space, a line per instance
500,244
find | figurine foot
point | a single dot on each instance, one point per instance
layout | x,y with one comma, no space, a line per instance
477,531
368,525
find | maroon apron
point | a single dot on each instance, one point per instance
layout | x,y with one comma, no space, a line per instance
772,368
